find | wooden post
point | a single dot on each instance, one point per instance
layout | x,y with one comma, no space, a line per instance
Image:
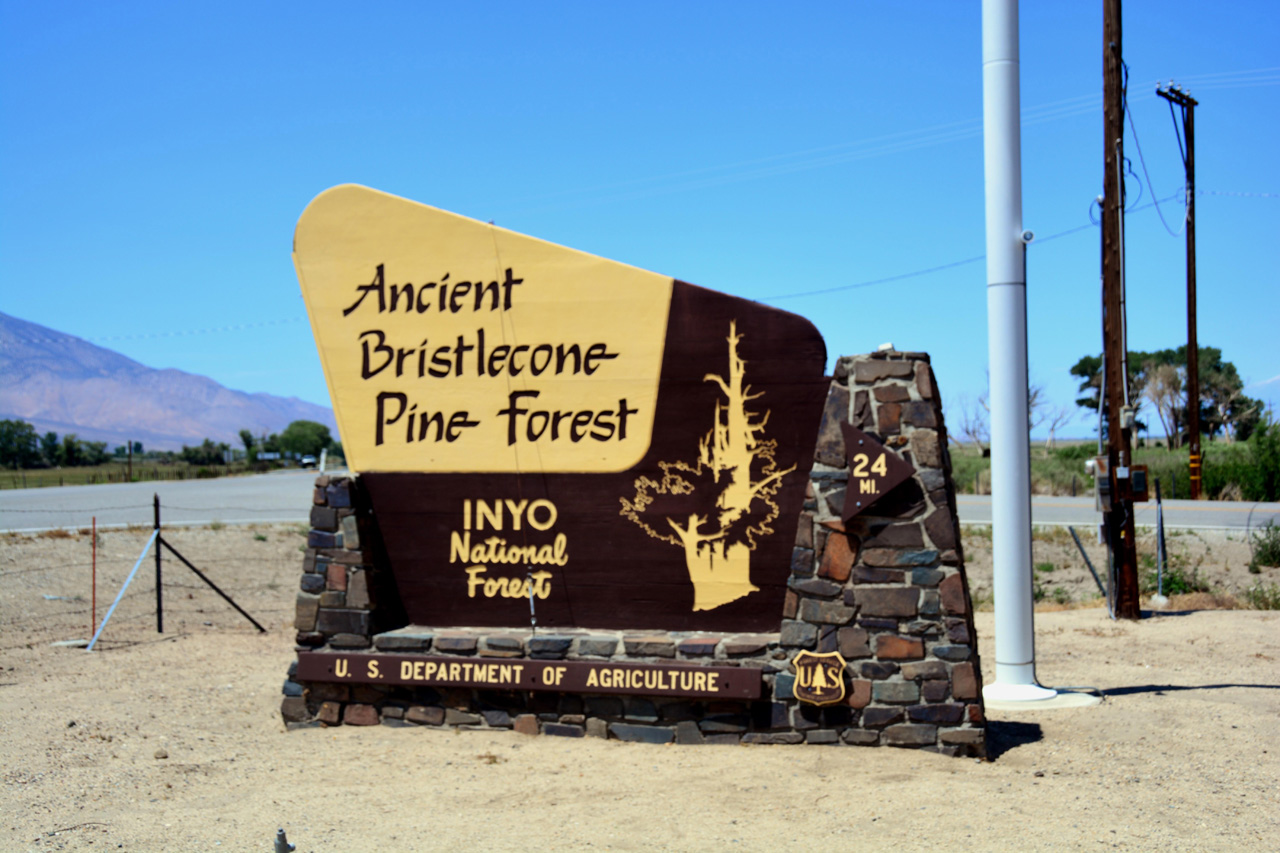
1119,521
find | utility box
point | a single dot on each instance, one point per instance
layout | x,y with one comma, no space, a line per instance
1099,467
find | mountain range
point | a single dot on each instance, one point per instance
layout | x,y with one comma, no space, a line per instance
62,383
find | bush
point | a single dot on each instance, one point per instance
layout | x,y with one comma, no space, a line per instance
1177,581
1265,545
1263,597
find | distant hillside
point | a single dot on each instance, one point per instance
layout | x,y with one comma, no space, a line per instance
63,383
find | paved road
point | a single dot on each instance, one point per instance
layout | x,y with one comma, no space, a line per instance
286,496
1079,512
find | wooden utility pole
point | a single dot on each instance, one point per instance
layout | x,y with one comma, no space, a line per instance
1119,415
1188,104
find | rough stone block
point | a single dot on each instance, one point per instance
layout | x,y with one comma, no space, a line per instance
897,602
891,394
892,647
597,728
360,715
324,518
877,718
336,577
964,684
934,690
802,562
687,732
350,533
293,709
870,371
953,595
860,737
796,634
330,713
953,653
877,670
910,734
825,612
930,603
563,730
306,610
958,631
549,647
859,695
919,414
790,604
454,717
838,557
835,501
457,644
501,647
784,686
941,529
822,736
924,381
863,574
923,628
641,734
861,417
658,646
963,736
852,643
924,669
526,724
925,449
746,645
393,712
699,647
889,418
321,539
772,737
830,446
338,496
332,598
344,640
343,621
926,577
950,714
496,718
897,536
312,583
895,692
318,497
816,587
403,640
804,531
597,646
358,589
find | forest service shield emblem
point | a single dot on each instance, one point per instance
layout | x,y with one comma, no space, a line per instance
819,677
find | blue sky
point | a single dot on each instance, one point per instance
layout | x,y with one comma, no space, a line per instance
154,159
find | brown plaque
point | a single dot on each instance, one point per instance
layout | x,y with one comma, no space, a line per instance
819,677
874,470
704,682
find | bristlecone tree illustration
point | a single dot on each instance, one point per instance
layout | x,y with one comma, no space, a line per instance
716,507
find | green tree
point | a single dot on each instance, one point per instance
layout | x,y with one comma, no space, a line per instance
207,453
1160,376
305,438
19,444
49,448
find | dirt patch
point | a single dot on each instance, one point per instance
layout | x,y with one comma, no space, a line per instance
174,742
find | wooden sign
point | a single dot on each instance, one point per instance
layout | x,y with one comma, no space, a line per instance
533,422
874,470
705,682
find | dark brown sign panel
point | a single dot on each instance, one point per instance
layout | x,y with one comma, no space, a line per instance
697,535
874,470
705,682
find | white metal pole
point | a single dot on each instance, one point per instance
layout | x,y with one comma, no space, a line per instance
1007,352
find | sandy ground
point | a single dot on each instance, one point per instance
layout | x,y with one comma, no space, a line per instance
174,742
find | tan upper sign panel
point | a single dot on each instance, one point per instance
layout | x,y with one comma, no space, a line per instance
451,345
